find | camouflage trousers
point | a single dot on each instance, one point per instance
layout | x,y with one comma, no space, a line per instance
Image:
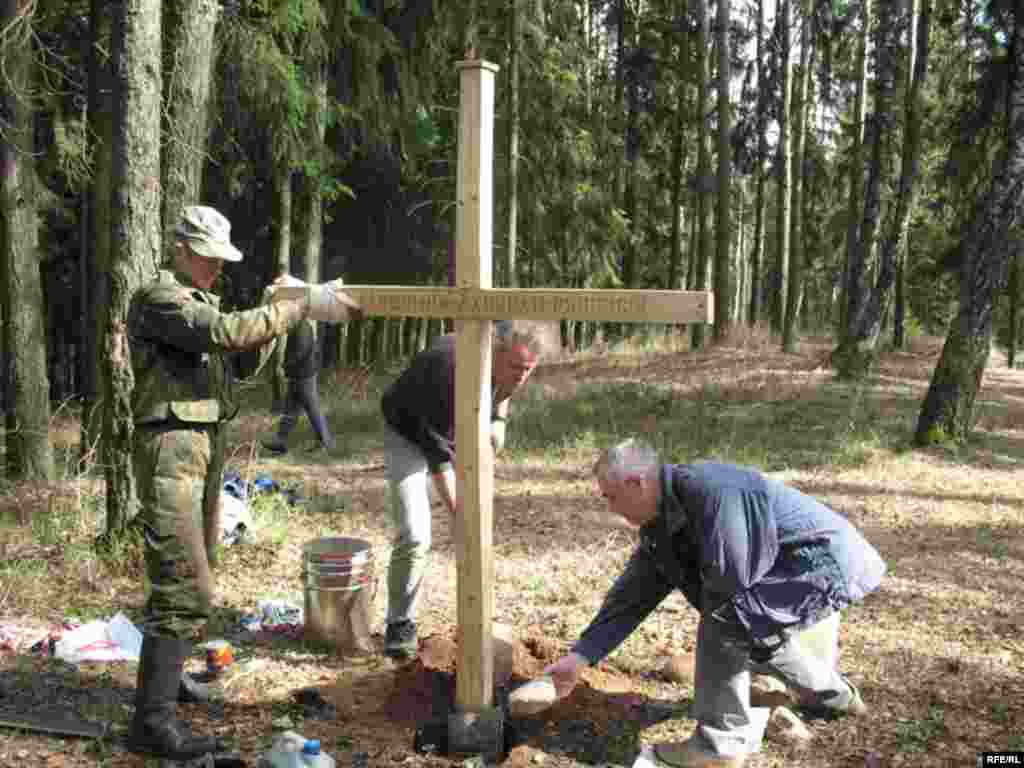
178,469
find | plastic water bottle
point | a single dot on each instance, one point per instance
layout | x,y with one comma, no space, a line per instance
292,750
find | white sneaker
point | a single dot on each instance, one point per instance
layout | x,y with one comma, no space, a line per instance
690,754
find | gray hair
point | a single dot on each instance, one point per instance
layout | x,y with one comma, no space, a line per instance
539,337
630,458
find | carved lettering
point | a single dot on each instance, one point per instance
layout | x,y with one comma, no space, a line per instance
540,304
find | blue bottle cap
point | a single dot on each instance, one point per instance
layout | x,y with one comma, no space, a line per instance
311,747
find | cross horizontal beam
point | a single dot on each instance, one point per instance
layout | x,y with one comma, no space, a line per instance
612,305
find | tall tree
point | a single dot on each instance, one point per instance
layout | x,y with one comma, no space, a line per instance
27,418
853,277
879,129
136,235
190,46
723,220
512,201
757,251
947,412
858,345
677,172
95,259
794,290
703,183
784,169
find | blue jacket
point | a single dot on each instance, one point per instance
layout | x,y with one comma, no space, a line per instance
745,550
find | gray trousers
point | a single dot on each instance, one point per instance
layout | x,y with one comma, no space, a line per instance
408,484
722,699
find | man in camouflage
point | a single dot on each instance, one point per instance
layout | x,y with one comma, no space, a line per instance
183,396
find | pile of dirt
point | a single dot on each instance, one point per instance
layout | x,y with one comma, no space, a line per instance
424,688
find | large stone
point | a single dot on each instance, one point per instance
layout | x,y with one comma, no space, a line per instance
784,727
679,668
768,692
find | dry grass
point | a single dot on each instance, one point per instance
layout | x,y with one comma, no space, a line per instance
938,652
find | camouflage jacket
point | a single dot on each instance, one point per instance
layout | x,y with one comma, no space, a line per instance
179,342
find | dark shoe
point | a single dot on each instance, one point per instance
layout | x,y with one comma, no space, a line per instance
198,689
400,640
155,729
842,704
274,446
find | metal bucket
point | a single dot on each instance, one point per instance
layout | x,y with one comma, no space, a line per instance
339,584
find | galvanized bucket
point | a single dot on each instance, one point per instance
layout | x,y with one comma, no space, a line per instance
339,584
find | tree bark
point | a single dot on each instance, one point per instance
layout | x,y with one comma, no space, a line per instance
757,251
784,175
1014,297
947,412
513,144
282,264
136,233
188,95
853,273
27,418
858,346
96,264
794,290
723,223
703,261
678,166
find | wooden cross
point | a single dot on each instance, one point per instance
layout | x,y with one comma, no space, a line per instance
474,304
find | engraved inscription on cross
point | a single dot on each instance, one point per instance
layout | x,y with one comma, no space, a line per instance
474,304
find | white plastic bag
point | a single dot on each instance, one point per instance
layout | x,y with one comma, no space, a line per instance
101,640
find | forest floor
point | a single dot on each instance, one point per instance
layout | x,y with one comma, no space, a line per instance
937,652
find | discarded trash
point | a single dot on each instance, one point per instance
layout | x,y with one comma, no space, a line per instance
113,640
236,523
277,612
219,656
292,750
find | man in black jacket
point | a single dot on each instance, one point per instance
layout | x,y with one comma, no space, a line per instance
419,440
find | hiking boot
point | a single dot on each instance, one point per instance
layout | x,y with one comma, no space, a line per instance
400,640
198,689
690,754
843,704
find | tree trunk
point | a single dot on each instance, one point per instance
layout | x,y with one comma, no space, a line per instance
703,166
282,264
27,419
853,272
879,127
794,289
513,144
785,173
899,313
857,349
136,233
1013,291
757,251
678,162
312,235
947,412
188,95
96,265
723,219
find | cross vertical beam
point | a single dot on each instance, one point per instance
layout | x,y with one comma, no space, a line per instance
474,459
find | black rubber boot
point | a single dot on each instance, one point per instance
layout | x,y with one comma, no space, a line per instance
198,689
155,729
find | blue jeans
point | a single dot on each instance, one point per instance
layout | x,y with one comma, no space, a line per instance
408,479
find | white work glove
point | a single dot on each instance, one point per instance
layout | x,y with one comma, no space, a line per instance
498,434
330,304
